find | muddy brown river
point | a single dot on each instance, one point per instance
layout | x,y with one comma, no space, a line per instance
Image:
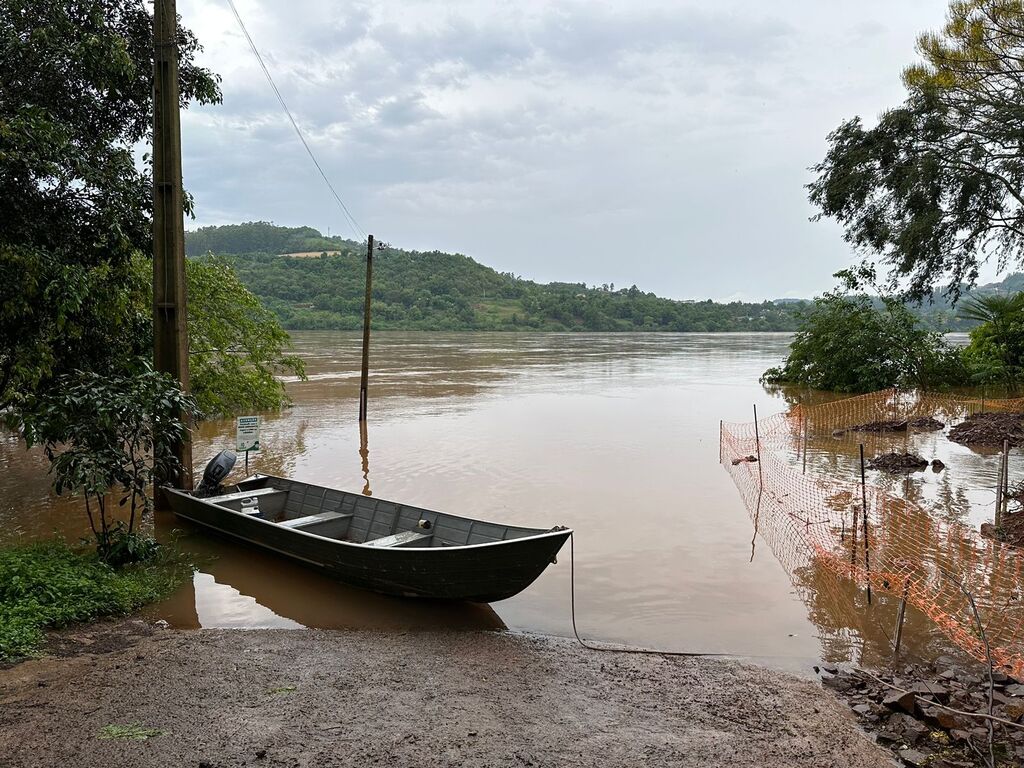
613,435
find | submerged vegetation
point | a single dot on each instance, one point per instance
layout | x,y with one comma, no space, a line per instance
76,330
49,585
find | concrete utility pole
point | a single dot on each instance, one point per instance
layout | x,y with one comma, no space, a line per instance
170,332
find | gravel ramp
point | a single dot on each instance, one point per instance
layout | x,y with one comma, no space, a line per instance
219,698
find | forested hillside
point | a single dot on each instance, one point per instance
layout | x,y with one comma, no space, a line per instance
259,237
443,291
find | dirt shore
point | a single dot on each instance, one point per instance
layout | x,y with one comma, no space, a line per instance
317,698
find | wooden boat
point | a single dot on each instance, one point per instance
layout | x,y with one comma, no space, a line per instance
384,546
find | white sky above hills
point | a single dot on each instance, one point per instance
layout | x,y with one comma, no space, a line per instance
664,144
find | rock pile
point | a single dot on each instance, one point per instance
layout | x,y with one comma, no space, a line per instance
744,460
990,429
921,424
898,462
926,424
1011,528
903,712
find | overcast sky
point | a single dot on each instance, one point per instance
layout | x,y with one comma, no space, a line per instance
664,144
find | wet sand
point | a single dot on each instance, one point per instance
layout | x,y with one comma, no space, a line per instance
323,698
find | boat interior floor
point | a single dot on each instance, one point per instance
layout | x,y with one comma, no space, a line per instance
358,519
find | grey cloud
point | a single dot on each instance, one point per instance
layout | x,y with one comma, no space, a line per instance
405,110
490,130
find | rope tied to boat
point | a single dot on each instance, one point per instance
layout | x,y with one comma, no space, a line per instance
590,646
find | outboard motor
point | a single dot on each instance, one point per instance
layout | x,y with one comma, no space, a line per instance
218,468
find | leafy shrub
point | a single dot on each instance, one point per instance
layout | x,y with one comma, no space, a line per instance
111,434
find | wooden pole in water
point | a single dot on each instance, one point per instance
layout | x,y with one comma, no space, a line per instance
170,331
805,441
864,522
999,492
757,435
757,443
365,376
853,540
1006,472
901,614
1004,484
364,455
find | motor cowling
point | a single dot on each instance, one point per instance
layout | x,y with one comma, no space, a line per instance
220,466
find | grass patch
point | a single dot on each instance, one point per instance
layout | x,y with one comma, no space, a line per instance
50,585
134,731
502,309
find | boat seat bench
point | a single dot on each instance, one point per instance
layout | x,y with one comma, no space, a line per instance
269,502
403,539
329,524
255,492
320,517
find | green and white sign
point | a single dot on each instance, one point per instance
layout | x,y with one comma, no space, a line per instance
248,433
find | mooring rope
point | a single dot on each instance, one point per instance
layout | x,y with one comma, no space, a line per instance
585,644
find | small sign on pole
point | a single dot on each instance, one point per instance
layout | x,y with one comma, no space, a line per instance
247,436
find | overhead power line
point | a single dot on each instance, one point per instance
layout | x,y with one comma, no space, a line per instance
360,232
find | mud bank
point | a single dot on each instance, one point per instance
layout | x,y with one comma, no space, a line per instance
317,698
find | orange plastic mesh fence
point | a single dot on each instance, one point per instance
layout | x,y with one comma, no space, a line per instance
806,517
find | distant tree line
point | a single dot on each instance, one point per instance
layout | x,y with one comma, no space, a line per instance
442,291
432,290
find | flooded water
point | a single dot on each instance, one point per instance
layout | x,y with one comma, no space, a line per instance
615,436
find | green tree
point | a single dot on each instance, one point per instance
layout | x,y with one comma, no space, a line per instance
845,344
236,345
936,188
75,101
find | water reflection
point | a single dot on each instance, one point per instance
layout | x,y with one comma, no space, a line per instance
916,537
963,491
853,630
238,586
